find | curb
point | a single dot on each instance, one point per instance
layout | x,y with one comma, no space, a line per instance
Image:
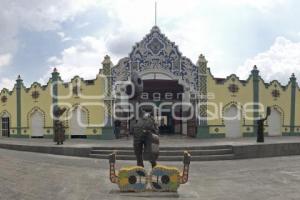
239,151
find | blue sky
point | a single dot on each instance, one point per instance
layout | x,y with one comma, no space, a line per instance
75,35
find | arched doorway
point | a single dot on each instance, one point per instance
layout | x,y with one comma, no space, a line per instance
37,124
274,123
78,123
232,121
164,94
5,124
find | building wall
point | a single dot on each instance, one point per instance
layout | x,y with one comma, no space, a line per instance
271,94
90,98
29,105
222,98
297,111
10,107
281,103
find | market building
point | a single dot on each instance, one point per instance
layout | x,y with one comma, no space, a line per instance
212,107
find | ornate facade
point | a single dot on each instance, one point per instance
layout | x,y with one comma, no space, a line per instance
224,107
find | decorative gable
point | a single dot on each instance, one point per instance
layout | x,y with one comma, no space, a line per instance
156,53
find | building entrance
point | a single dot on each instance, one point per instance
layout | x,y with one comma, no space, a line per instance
166,96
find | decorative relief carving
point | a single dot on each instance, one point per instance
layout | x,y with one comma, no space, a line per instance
157,53
35,95
275,93
3,99
233,88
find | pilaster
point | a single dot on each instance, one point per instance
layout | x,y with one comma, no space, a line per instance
19,86
202,129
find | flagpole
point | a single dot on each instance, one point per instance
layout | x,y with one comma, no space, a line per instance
155,13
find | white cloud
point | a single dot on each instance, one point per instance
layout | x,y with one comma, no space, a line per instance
39,15
182,24
63,37
261,5
5,59
83,59
279,62
35,15
190,24
7,83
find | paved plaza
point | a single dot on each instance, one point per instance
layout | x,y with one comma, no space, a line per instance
34,176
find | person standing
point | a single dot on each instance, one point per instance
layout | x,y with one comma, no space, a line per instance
260,127
117,128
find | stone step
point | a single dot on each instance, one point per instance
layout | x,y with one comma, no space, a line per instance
162,148
168,152
172,158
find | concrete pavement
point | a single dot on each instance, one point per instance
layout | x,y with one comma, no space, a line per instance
26,175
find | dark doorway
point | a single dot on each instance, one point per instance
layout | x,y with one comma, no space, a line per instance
159,91
5,126
163,90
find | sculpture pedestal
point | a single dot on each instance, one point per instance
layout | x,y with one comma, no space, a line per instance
161,178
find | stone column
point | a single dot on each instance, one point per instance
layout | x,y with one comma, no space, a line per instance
54,84
107,131
19,86
293,104
202,129
256,79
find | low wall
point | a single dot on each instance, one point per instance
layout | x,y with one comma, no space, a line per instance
266,150
59,150
239,151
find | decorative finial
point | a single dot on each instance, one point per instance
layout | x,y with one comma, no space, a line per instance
106,60
54,70
19,79
202,58
293,77
255,71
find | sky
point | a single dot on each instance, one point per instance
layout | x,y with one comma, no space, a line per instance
75,35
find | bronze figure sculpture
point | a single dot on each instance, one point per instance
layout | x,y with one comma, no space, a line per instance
146,140
59,130
146,147
260,127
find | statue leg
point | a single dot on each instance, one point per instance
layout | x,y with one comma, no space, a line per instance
138,150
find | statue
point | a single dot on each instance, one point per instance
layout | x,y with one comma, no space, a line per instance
146,146
59,131
260,127
146,140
